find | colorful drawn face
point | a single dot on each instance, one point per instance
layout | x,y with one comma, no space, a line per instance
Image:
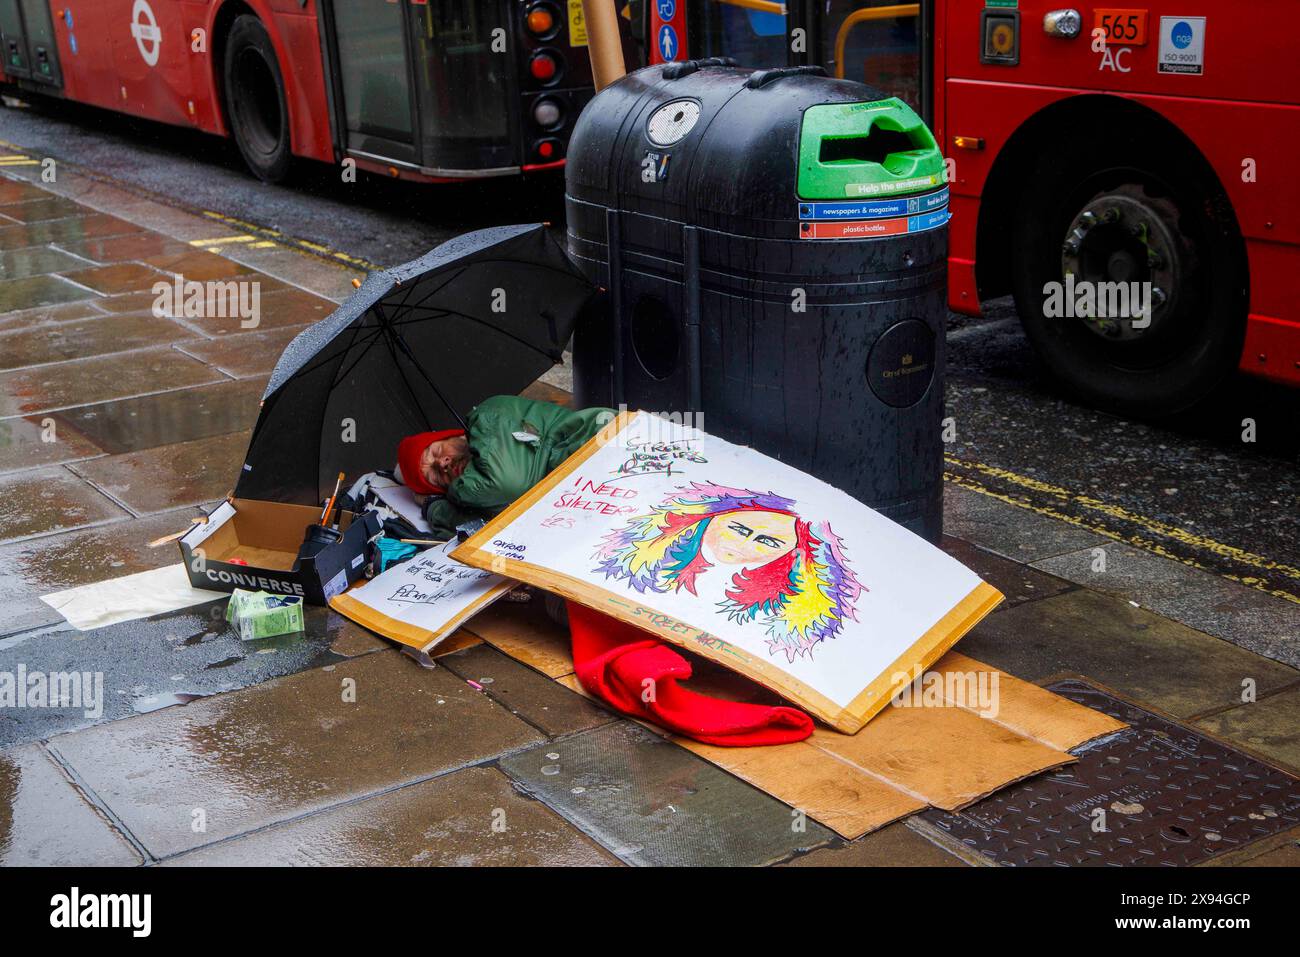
793,575
748,538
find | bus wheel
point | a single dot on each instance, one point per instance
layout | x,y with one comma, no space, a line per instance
255,100
1128,281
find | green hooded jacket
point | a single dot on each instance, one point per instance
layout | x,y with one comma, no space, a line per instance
505,461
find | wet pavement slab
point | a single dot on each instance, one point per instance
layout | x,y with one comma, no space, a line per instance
98,336
651,802
169,476
21,263
1019,583
27,443
192,775
46,822
279,306
93,226
1007,530
84,381
470,818
892,846
41,291
125,248
166,418
49,500
245,354
1134,651
153,663
1269,726
117,278
528,694
1251,619
43,315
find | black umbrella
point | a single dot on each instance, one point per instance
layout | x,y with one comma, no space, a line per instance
415,348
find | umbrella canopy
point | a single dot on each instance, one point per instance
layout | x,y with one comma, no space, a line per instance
415,348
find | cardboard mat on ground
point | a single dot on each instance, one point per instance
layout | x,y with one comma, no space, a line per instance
905,759
742,559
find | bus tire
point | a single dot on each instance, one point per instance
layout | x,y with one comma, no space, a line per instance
256,106
1134,207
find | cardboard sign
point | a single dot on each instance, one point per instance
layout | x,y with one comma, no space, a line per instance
423,600
742,559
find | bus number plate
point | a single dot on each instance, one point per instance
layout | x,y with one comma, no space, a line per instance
1126,27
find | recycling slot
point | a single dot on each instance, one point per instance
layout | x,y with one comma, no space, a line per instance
773,245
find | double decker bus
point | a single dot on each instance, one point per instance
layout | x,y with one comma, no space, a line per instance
427,90
1147,143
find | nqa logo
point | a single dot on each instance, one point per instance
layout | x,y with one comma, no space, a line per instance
75,909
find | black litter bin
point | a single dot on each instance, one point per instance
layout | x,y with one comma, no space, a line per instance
773,248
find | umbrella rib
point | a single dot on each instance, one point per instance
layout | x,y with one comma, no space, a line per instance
464,315
321,363
388,342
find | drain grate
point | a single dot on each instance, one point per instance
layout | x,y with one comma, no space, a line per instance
1167,796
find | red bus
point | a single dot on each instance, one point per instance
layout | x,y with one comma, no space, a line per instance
1151,142
421,90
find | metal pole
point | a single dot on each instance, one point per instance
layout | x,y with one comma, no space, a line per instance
603,43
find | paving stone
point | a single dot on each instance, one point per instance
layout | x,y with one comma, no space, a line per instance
470,818
278,307
84,381
148,421
1140,654
24,445
47,500
16,191
98,336
46,315
92,226
123,248
39,291
1269,726
43,209
1008,530
1251,619
894,846
51,563
286,748
118,278
524,692
169,476
1019,583
45,821
247,354
651,802
20,263
199,265
152,663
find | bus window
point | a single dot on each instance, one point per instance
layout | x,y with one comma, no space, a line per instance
467,109
752,31
375,81
876,43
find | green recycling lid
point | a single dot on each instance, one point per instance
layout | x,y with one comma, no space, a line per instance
881,148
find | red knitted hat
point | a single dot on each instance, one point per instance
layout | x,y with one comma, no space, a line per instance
409,451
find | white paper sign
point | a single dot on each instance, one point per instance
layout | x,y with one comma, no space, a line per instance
422,600
740,558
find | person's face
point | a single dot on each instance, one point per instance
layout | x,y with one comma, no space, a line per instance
750,538
443,461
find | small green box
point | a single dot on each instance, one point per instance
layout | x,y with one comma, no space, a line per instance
260,614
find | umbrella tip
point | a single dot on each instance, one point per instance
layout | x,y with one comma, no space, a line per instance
356,283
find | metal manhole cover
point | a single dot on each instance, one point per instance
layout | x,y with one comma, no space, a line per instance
1155,794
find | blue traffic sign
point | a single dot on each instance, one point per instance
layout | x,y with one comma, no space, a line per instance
667,9
667,42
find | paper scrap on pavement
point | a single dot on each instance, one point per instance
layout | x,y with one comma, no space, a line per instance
130,597
421,601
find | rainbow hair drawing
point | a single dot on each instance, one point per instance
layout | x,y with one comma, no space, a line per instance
803,596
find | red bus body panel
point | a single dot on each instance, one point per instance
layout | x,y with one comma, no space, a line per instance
109,68
1243,107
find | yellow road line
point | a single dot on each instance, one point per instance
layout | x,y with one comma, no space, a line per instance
1096,526
221,241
